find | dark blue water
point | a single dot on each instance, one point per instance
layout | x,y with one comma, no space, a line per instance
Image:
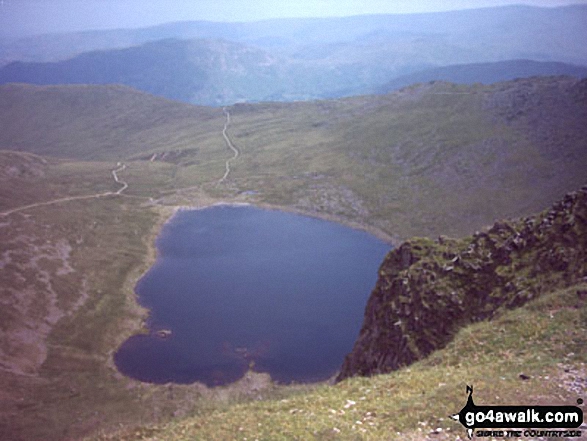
242,287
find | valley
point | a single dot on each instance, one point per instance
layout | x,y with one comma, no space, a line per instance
85,223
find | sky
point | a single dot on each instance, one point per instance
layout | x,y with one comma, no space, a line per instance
27,17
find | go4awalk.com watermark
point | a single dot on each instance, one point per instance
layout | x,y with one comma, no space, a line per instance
520,421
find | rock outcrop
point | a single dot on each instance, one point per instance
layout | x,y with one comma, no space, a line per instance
427,290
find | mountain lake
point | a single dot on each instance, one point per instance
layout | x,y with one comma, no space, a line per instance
238,287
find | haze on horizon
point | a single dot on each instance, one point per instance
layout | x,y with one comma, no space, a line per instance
29,17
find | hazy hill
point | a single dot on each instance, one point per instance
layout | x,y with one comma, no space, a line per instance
214,72
208,72
486,73
296,59
199,71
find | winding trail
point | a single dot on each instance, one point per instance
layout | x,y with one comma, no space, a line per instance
114,172
124,185
229,144
120,168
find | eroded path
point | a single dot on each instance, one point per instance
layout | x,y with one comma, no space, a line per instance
114,172
120,168
124,185
229,144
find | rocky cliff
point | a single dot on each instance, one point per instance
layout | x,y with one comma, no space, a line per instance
427,290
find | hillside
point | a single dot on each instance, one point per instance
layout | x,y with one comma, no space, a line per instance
421,160
97,122
295,59
428,290
407,163
486,73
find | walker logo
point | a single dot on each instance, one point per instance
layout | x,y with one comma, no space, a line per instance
475,417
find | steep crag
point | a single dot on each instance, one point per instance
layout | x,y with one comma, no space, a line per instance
427,289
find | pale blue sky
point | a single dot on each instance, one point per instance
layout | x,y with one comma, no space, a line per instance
18,17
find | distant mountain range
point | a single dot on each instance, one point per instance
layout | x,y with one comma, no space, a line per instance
486,73
196,71
213,72
302,59
479,35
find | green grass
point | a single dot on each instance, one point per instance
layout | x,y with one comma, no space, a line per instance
95,300
100,122
419,162
427,160
540,340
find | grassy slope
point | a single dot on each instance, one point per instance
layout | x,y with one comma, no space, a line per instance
67,291
93,122
543,340
416,162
